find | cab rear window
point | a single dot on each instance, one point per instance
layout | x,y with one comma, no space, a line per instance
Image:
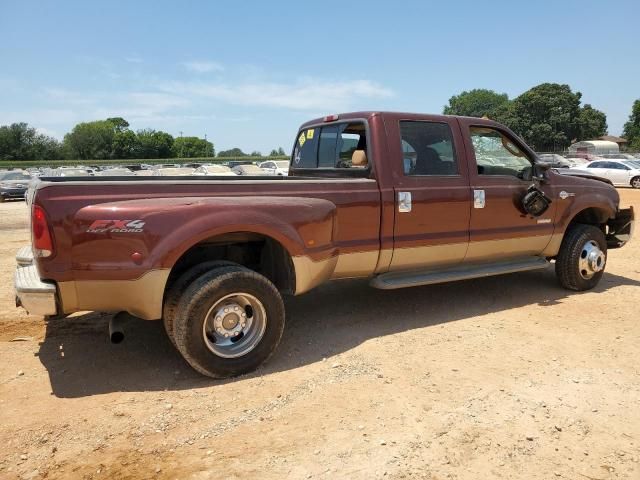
330,146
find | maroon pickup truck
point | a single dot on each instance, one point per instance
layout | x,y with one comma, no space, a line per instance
401,199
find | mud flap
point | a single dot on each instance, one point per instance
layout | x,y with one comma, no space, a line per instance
620,228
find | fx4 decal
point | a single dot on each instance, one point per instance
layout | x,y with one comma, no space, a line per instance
116,226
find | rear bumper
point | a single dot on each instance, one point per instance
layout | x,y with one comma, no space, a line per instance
620,228
32,294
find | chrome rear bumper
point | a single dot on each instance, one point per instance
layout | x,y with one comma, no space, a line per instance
32,294
24,256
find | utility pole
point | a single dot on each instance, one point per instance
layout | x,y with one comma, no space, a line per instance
206,147
181,145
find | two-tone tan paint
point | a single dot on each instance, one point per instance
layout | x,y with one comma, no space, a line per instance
331,227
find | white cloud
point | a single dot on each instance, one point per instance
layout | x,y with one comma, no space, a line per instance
133,59
203,66
307,94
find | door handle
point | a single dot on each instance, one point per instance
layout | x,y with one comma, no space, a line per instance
478,199
404,202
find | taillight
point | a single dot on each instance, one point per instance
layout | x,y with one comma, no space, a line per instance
40,229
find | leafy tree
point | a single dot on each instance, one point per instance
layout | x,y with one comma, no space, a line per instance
154,144
192,147
234,152
124,144
593,123
119,123
256,153
277,153
631,129
476,103
19,141
546,116
91,140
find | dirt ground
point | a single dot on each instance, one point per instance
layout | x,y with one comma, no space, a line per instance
505,377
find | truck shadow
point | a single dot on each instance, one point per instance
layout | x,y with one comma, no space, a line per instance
330,320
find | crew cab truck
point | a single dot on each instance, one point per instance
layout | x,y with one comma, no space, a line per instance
401,199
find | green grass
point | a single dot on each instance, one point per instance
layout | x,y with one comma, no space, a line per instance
131,161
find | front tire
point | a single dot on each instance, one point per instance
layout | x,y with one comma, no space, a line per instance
635,182
228,322
582,257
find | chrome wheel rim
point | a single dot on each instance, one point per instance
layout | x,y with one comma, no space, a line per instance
635,183
592,260
234,325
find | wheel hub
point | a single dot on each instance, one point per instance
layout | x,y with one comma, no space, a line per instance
234,325
229,320
592,260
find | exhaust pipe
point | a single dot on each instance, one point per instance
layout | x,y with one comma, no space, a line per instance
116,327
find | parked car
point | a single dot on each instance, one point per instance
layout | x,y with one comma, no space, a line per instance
250,169
276,167
134,167
556,161
217,170
622,173
13,184
115,172
172,171
66,172
145,172
235,163
213,256
581,159
618,156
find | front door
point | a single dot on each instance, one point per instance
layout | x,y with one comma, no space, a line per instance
499,226
433,198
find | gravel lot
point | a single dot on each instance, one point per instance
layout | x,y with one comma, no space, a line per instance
506,377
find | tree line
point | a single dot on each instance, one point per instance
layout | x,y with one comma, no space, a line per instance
105,140
548,117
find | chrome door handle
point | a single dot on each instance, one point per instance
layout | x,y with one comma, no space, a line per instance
404,202
478,199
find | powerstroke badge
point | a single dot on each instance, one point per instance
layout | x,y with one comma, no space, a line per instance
116,226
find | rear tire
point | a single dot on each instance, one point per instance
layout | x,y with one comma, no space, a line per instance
174,293
229,321
635,182
582,257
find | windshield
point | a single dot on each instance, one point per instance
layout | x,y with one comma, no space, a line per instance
635,164
14,176
284,164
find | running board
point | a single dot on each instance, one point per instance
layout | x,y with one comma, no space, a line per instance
391,280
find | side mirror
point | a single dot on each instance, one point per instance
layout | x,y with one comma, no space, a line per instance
539,170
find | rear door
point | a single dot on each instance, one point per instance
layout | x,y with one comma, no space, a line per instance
499,226
619,173
432,195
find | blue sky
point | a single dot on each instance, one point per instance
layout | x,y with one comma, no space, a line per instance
248,73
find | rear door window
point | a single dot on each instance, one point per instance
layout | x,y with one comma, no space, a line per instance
427,148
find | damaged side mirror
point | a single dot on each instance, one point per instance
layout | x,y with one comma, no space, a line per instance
535,202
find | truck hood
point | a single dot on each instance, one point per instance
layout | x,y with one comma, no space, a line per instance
581,173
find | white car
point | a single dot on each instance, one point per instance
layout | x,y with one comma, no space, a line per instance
251,170
214,170
622,173
172,172
276,167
